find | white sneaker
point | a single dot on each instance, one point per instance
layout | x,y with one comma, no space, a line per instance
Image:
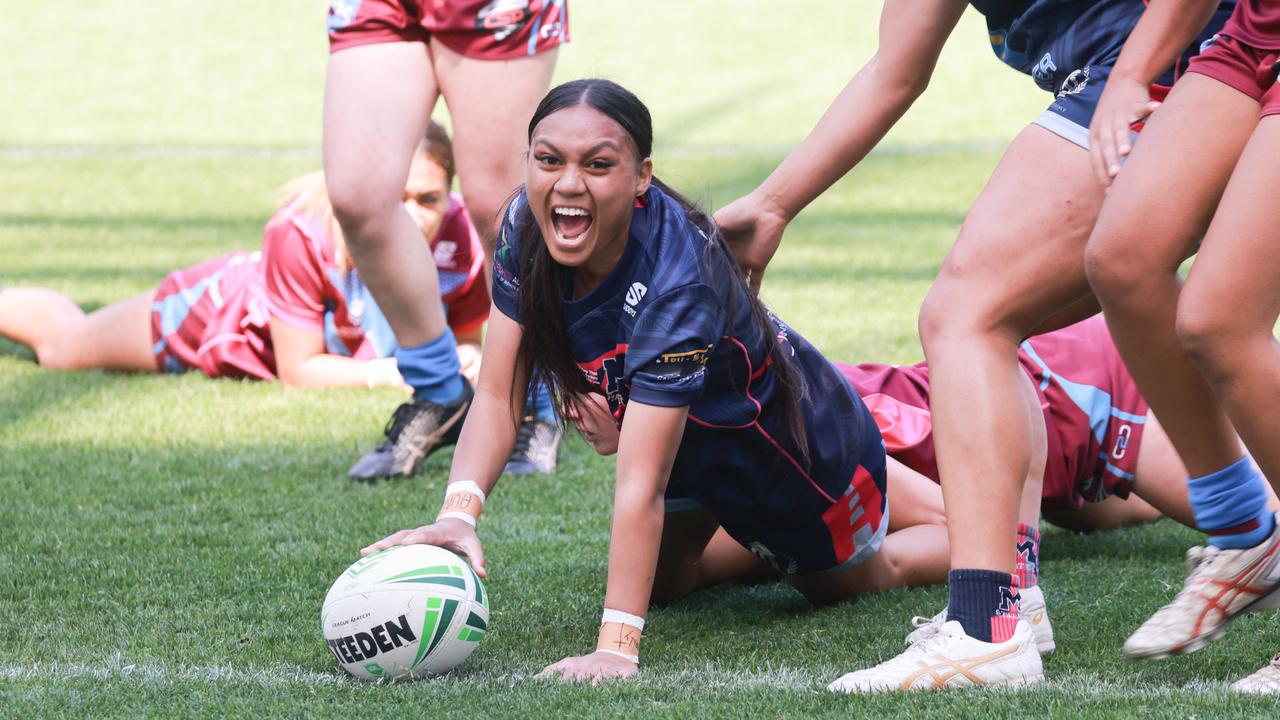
951,659
1032,610
1223,584
1265,681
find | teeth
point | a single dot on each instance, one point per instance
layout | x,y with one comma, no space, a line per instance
570,211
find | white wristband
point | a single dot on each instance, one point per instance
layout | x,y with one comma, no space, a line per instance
625,656
464,486
464,517
617,616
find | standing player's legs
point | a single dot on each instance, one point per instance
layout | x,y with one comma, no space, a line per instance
490,103
377,103
63,337
1017,262
378,100
1227,313
1157,209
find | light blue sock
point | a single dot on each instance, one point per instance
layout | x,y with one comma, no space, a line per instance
1231,505
538,404
432,369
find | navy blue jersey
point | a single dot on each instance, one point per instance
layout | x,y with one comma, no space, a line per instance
1057,41
670,326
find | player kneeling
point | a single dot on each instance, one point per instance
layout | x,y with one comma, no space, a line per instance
612,285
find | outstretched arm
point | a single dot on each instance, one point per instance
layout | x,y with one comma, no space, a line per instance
650,437
912,33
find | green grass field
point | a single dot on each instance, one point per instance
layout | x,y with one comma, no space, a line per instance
165,542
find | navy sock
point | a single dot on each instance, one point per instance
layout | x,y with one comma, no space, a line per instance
1231,505
538,405
432,369
984,602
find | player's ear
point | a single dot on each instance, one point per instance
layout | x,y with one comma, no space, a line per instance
644,177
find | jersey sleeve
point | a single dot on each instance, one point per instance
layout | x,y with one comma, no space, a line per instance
294,277
506,263
673,337
902,426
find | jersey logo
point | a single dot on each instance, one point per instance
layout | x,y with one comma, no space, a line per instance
635,294
1043,71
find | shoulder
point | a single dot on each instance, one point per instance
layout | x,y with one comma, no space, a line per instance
674,246
296,231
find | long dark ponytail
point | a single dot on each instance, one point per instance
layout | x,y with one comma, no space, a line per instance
544,345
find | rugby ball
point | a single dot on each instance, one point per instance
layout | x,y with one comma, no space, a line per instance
405,612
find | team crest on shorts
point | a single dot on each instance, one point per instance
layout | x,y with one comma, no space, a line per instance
503,17
342,12
1075,82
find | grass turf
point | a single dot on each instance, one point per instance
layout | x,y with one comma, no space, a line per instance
165,542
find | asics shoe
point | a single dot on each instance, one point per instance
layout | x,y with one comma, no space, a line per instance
1032,610
951,659
1265,681
1223,584
537,448
416,429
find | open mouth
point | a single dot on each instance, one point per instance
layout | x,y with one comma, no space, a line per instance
571,223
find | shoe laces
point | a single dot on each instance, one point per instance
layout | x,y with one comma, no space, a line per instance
925,627
400,420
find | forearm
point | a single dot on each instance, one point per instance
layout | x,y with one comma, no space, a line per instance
912,34
327,371
1166,28
488,436
855,122
633,548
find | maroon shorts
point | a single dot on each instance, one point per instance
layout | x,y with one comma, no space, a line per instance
1243,67
483,29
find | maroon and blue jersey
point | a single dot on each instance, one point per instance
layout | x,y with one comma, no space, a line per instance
1094,414
671,326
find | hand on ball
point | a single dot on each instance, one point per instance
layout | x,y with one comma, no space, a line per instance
449,533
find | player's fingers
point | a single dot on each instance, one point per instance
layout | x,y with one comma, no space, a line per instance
1095,155
1124,139
756,279
470,547
386,542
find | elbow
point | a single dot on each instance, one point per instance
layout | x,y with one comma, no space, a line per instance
898,84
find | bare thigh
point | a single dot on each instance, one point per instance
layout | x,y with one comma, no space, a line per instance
490,103
114,337
684,537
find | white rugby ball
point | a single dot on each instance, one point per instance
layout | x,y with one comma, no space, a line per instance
406,611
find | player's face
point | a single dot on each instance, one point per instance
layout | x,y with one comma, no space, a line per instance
583,178
595,422
426,194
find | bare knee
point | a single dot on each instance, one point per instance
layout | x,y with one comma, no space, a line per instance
59,353
1210,335
1119,264
363,207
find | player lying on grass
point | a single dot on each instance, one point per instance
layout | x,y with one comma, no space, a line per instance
612,285
1107,462
1203,180
1016,269
296,310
